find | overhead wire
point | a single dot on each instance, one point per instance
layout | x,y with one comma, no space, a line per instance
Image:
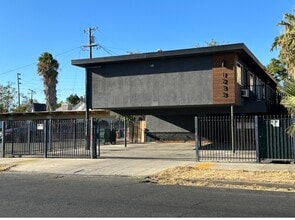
35,63
74,89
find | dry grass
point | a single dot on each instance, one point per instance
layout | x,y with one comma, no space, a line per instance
203,175
5,167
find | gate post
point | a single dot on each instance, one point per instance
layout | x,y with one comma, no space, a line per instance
293,139
257,139
49,132
3,138
97,134
92,139
29,136
125,131
45,139
232,128
197,138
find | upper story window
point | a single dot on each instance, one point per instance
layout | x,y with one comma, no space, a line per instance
239,70
258,88
252,82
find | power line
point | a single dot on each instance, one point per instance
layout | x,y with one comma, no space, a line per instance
108,51
18,68
35,63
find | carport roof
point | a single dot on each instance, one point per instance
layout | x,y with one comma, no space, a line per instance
53,115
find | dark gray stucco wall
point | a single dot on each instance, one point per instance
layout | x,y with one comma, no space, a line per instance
169,127
154,83
171,123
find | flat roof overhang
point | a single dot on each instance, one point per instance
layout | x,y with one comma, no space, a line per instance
238,48
188,110
54,115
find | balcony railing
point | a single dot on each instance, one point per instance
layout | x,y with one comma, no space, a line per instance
261,93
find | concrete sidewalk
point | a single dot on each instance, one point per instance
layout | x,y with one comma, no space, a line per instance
135,160
121,167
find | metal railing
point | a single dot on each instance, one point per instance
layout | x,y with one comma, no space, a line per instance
44,138
263,93
215,139
64,137
274,141
245,139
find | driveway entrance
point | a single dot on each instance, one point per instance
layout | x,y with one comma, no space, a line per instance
160,151
138,160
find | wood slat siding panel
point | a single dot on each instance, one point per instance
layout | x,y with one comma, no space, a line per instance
221,75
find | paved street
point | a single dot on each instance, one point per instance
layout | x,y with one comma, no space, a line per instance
55,195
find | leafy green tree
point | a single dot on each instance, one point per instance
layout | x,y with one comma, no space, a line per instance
286,42
59,104
288,101
8,96
277,69
211,43
73,99
48,68
21,108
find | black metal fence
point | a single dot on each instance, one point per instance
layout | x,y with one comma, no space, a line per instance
274,141
220,139
45,138
244,138
64,137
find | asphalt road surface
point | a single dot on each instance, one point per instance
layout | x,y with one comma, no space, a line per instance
28,195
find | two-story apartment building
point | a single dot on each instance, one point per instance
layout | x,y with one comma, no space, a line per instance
171,87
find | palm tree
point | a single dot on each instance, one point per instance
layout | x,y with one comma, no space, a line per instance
288,101
47,68
286,42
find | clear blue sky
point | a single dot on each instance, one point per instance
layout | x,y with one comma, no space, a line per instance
31,27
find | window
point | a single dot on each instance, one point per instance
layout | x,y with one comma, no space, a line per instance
251,83
258,88
263,90
239,70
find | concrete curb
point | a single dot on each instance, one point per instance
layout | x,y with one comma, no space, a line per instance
241,183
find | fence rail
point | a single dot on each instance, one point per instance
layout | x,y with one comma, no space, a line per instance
274,141
65,137
216,142
45,138
244,138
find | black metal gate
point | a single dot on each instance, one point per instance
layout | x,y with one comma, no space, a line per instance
244,138
45,138
220,139
274,141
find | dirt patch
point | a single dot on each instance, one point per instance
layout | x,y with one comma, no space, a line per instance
206,175
5,167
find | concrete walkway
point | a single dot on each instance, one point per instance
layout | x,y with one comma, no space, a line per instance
139,160
134,160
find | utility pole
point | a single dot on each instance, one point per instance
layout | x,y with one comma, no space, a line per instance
18,90
32,93
91,43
